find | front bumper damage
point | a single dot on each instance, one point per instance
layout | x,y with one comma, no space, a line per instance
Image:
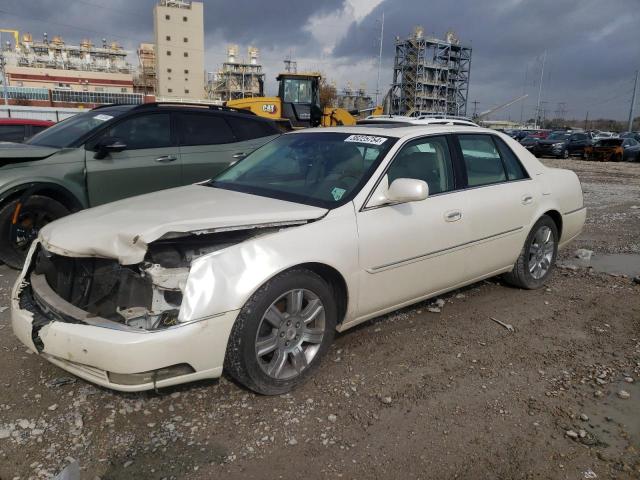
126,355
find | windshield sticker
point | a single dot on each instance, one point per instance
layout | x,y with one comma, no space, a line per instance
337,193
102,117
369,139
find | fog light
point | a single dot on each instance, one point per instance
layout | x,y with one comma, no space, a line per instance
151,376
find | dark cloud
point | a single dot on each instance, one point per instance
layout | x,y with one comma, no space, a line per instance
592,50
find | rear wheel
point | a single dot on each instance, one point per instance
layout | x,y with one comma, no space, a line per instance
34,214
282,332
537,259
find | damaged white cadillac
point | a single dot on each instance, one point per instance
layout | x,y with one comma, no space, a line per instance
253,272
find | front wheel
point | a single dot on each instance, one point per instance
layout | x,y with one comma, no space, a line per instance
282,332
15,238
538,256
565,153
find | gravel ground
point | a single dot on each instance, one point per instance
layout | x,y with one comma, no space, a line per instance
414,394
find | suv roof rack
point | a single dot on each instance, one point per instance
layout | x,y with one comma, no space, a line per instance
142,106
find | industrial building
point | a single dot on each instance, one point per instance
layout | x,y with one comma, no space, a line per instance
237,78
51,70
145,80
354,99
179,49
430,75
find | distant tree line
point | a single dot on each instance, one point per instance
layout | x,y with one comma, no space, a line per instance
603,124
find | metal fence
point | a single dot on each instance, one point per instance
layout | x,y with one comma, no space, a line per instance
27,93
72,96
38,113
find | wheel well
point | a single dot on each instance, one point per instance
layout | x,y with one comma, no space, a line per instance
335,279
54,192
557,219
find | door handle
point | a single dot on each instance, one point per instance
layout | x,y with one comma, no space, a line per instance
239,155
453,216
527,199
166,158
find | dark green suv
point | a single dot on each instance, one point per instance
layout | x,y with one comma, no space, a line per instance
115,152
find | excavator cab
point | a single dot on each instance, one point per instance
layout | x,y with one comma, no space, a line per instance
300,99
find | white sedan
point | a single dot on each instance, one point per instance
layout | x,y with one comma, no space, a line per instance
319,230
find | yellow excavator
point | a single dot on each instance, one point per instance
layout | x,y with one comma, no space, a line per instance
298,104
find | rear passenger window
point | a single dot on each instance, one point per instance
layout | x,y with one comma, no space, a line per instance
249,128
198,129
425,159
12,133
483,162
143,131
515,170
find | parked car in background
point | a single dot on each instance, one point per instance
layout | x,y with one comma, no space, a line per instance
634,135
540,133
530,142
614,150
18,130
562,144
602,135
317,231
115,152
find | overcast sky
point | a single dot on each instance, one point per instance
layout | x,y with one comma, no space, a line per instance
593,47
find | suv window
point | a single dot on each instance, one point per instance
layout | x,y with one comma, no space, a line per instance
515,170
579,136
203,129
143,131
483,162
249,128
12,133
35,129
425,159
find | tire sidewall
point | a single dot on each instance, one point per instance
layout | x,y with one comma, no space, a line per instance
244,332
8,254
533,283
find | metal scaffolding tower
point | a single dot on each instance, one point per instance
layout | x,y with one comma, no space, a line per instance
430,75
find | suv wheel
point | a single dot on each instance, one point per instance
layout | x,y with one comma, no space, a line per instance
565,153
34,214
282,332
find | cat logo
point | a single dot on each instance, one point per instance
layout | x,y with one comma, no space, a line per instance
269,108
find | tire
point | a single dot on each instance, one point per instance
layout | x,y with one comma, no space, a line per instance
35,213
256,326
522,275
565,154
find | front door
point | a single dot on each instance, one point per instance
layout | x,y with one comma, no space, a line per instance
411,250
149,162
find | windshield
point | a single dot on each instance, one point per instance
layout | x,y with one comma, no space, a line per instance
297,91
321,169
68,131
558,136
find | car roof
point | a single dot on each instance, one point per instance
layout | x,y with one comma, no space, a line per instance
396,130
25,121
421,120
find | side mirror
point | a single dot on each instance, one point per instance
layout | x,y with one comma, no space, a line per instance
108,145
403,190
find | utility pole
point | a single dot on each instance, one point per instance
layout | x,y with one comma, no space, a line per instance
475,107
5,88
544,59
633,101
380,59
586,121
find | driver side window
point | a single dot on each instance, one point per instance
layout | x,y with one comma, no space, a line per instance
143,131
425,159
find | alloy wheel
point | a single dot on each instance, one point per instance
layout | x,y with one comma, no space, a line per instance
290,334
541,252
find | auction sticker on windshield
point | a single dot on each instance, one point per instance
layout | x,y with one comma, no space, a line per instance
368,139
102,117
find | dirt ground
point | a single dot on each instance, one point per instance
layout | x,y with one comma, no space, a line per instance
409,395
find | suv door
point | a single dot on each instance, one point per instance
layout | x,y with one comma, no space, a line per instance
410,250
211,141
500,201
148,163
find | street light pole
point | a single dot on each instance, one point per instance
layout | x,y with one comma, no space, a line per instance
633,102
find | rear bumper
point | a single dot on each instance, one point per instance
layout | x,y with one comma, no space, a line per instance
98,354
572,225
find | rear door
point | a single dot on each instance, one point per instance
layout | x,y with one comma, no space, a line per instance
150,161
210,141
500,202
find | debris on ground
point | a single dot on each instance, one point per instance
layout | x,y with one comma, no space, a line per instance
508,326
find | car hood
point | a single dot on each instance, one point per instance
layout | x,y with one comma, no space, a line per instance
123,229
23,151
